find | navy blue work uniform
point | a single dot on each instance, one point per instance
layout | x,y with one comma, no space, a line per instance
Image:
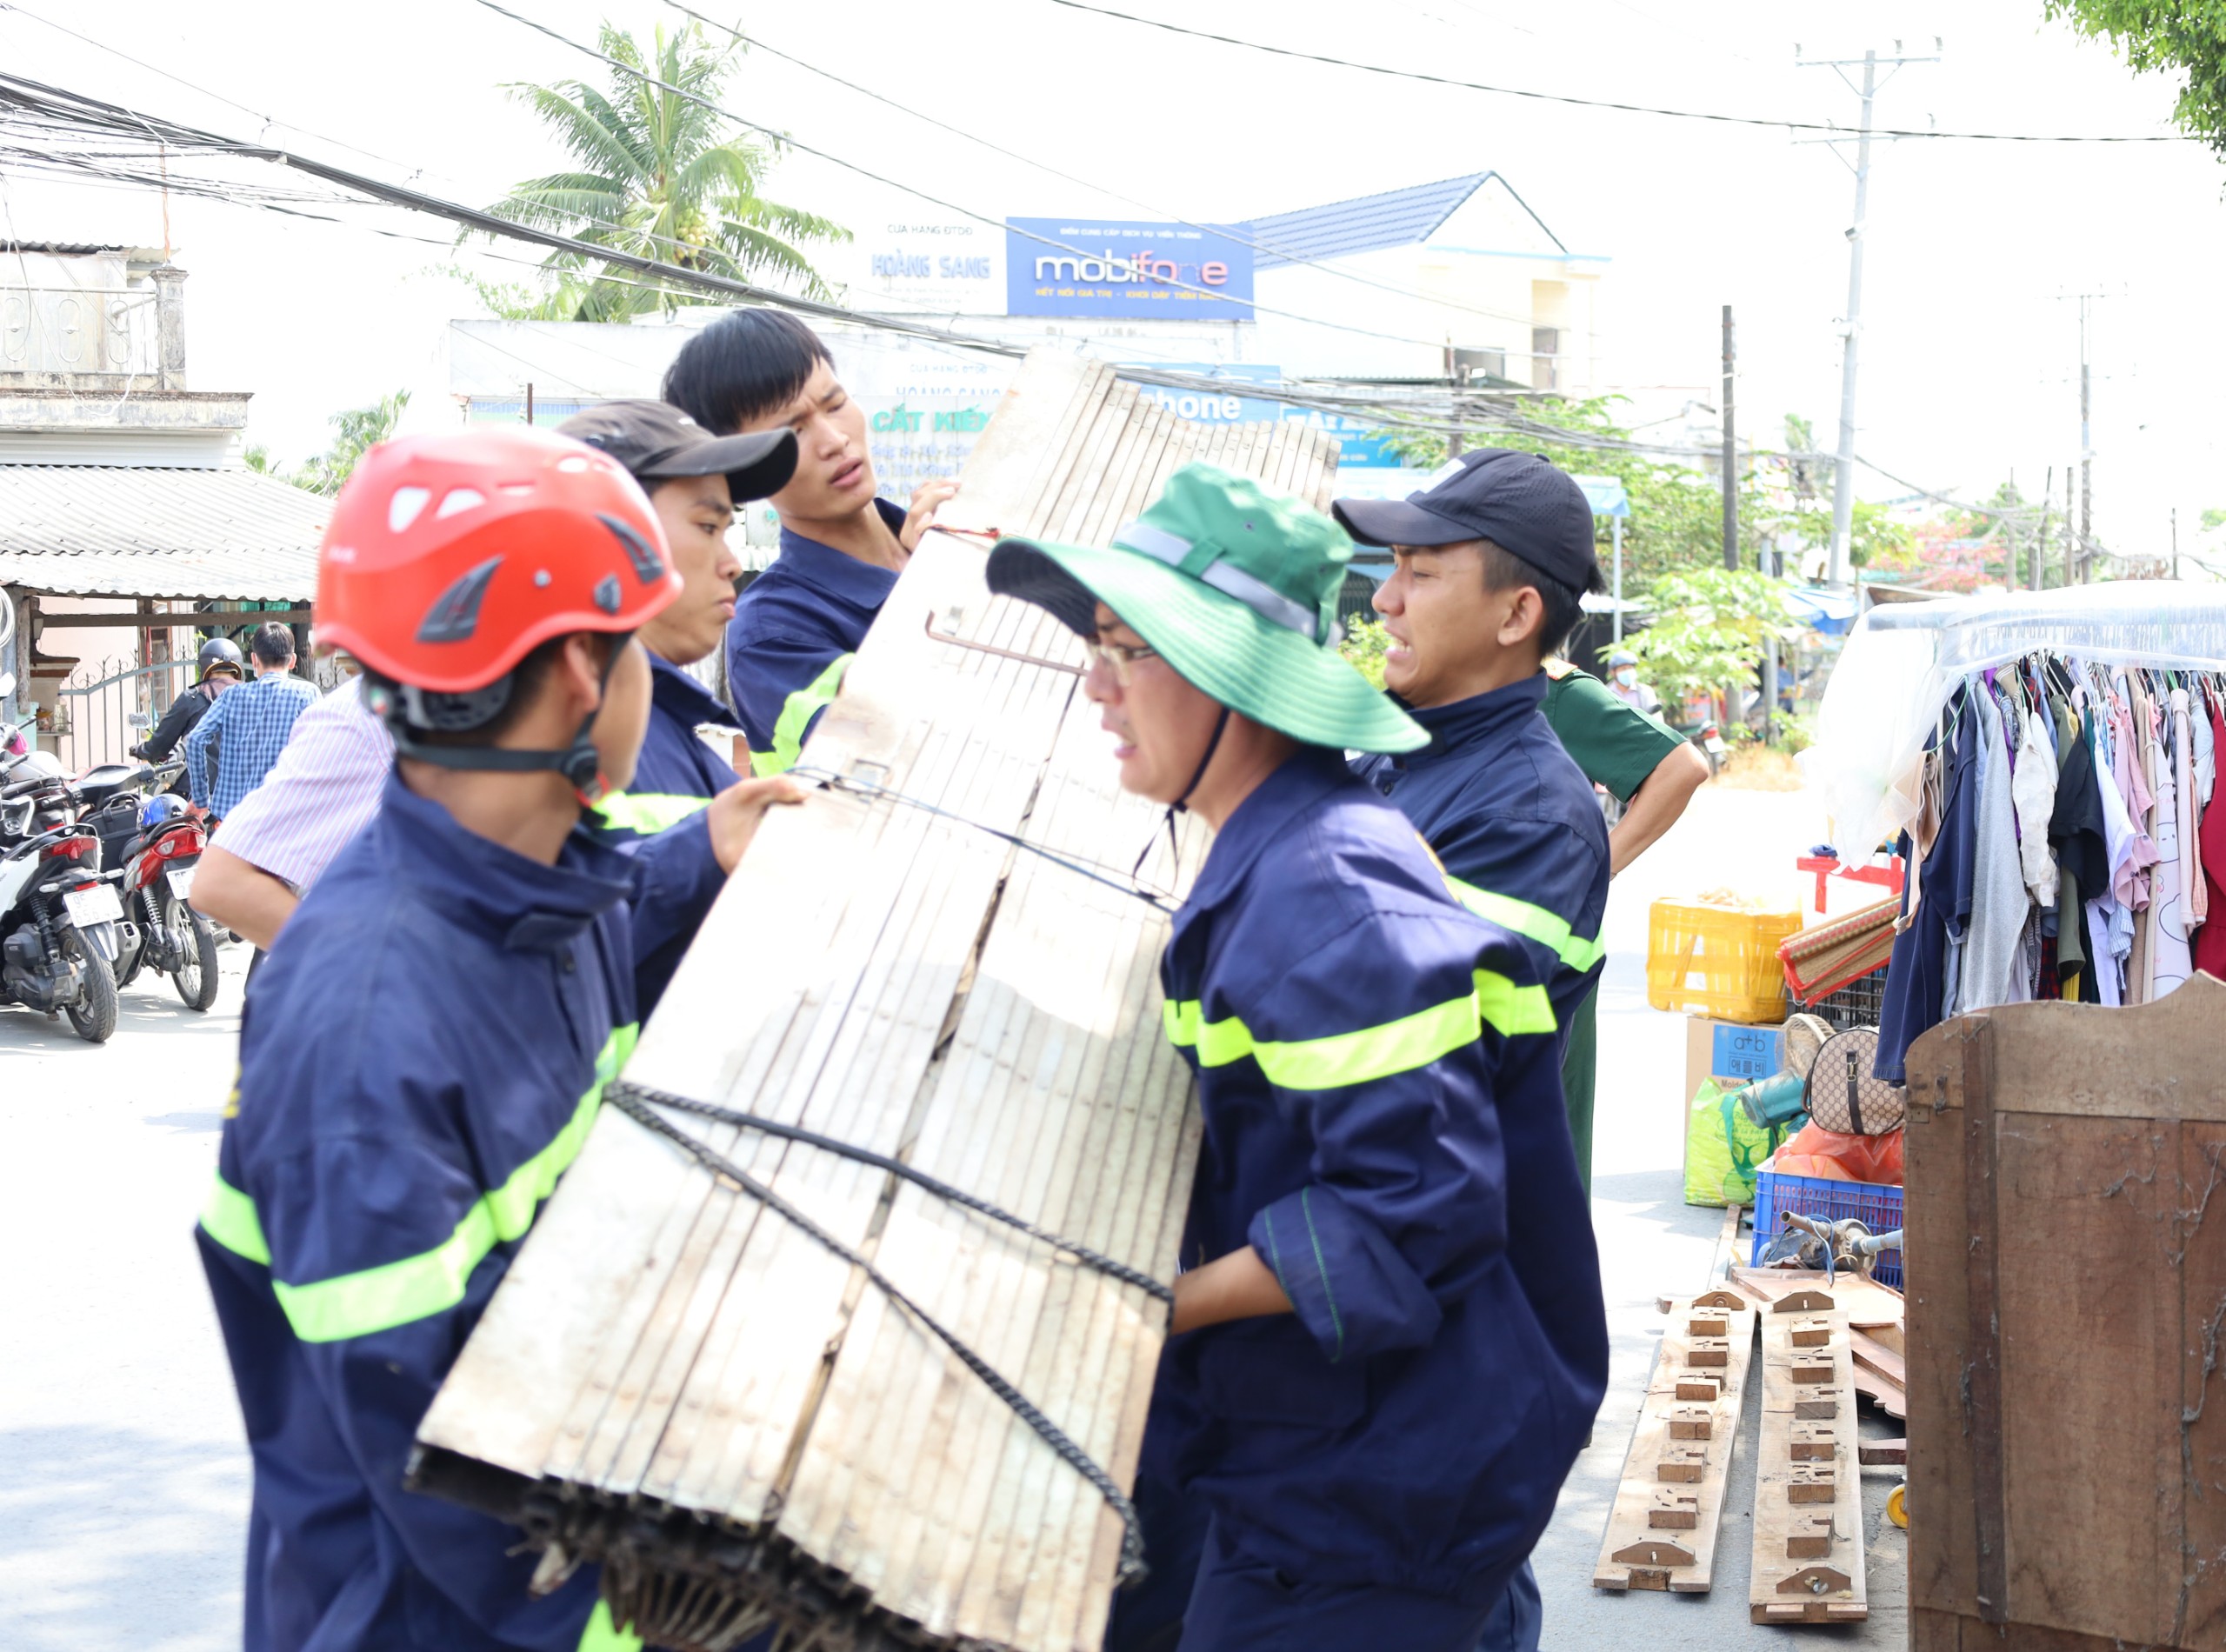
424,1056
1371,1058
1519,831
1516,825
794,631
676,776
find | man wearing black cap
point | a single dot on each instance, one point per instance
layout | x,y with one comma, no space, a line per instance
694,480
1491,564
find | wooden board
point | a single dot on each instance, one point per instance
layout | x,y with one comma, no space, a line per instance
2066,1283
1808,1537
1637,1552
679,1383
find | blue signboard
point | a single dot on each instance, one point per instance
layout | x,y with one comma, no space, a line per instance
1359,446
1119,267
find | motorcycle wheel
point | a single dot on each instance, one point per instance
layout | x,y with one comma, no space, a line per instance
94,1015
196,976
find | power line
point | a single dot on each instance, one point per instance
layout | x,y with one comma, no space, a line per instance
1602,103
948,206
1229,230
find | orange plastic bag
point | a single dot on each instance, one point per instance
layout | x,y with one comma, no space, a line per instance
1839,1158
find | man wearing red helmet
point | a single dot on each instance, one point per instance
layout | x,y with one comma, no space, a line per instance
429,1039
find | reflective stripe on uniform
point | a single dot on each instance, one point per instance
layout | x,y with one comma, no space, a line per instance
603,1635
796,713
1535,921
397,1293
1366,1053
647,812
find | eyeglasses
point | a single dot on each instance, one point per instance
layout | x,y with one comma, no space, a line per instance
1120,657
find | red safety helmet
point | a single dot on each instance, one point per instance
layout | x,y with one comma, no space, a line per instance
449,558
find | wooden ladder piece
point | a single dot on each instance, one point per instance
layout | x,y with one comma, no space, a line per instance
1808,1565
1661,1531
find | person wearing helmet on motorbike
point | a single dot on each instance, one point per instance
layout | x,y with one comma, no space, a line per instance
219,667
427,1047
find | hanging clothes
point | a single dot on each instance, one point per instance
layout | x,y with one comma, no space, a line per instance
1992,967
2033,787
2075,834
2169,961
1916,984
2210,950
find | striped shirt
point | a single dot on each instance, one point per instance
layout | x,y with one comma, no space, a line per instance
256,719
324,789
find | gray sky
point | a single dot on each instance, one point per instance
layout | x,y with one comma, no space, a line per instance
1970,358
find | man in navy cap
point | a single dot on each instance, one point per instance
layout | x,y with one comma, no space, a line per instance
1490,566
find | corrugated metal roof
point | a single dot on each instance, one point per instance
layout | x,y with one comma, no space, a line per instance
1398,218
124,531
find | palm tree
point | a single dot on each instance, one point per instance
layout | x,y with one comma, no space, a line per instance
355,432
660,176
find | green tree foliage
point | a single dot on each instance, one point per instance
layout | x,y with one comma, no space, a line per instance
1709,627
2158,37
355,432
2213,516
659,177
1365,641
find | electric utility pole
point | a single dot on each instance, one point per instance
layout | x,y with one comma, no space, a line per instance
1844,462
1730,452
2086,455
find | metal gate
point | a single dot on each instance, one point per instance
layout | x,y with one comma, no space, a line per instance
101,710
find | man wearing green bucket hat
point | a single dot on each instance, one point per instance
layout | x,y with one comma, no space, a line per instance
1386,1350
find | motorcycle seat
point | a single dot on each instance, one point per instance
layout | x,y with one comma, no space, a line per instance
100,784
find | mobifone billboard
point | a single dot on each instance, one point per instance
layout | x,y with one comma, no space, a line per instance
1104,268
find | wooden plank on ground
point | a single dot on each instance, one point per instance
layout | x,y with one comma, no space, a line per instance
1808,1537
1661,1530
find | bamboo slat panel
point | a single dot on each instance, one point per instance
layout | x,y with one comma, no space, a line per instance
678,1383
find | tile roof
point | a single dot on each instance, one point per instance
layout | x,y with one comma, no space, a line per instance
128,531
1397,218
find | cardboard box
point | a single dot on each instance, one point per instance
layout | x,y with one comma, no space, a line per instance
1731,1052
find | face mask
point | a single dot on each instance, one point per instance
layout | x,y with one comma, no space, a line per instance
1628,675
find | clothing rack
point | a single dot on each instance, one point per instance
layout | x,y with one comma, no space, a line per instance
1903,660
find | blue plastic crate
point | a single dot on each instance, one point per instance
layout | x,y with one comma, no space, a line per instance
1821,1199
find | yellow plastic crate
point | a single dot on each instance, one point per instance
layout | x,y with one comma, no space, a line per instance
1708,958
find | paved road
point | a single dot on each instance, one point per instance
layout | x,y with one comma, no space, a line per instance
122,1473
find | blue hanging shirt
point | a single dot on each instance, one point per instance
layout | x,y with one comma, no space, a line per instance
1371,1058
793,633
423,1057
1516,825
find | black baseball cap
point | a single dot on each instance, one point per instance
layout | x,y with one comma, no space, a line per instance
656,442
1526,505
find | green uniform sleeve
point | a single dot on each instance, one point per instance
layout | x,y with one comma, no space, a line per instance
1616,746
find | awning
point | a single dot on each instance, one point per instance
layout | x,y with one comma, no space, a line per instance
1821,610
113,531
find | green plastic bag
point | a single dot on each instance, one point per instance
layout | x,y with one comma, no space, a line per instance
1724,1149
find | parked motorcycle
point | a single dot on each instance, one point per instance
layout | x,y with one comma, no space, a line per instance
150,847
58,919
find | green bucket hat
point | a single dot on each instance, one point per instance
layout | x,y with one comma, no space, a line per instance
1236,588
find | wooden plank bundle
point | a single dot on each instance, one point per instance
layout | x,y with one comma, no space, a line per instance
676,1381
2067,1286
1808,1539
1661,1531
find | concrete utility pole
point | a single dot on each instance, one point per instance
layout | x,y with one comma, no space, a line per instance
1844,462
2086,456
2041,538
1730,452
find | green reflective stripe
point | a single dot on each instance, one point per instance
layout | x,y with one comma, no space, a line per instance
796,713
647,812
397,1292
603,1635
1511,1011
229,1220
1535,921
1367,1053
